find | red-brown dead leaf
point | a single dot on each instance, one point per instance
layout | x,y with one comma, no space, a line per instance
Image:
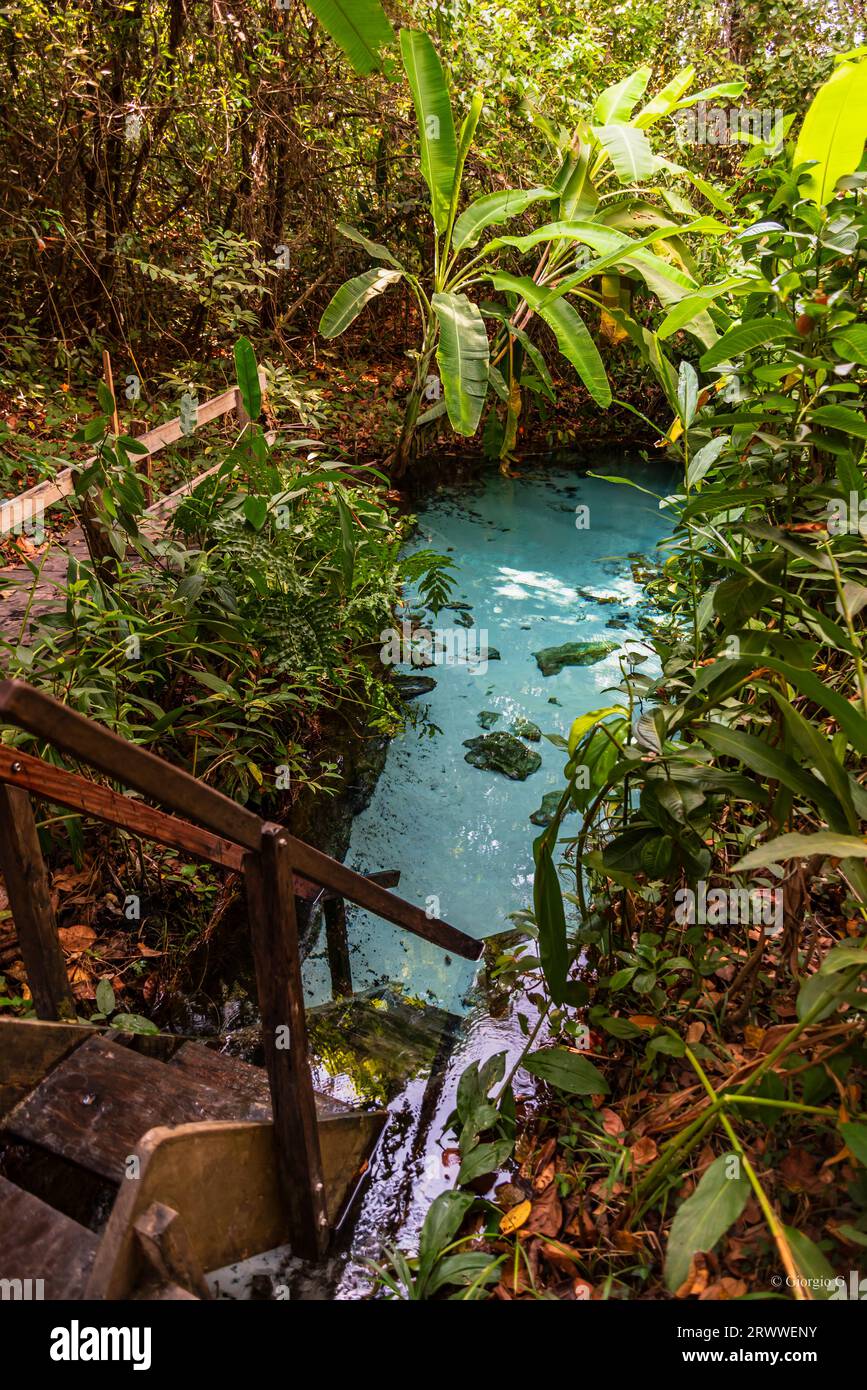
76,938
546,1218
643,1151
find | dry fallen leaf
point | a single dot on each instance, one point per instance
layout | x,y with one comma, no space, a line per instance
515,1218
611,1123
643,1151
76,938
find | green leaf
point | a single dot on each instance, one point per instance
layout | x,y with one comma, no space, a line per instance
687,393
484,1158
445,1215
800,846
255,511
568,1071
855,1139
105,1000
840,417
629,151
743,338
351,298
704,1218
373,248
463,357
492,209
247,375
435,124
616,103
468,1267
665,99
133,1023
359,27
569,328
550,919
812,1264
851,343
834,131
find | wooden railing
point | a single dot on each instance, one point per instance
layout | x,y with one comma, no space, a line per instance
200,821
39,498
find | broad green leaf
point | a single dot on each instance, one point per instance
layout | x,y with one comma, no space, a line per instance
704,1218
855,1139
665,99
468,1267
616,103
769,762
105,1000
687,393
255,511
247,376
435,123
569,328
133,1023
840,417
794,846
352,296
359,27
373,248
704,460
680,315
744,337
834,131
812,1264
441,1224
550,919
484,1158
493,209
629,151
851,343
568,1071
465,140
585,722
463,357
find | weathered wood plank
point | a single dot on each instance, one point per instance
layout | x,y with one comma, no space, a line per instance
223,1181
277,960
167,1248
29,895
39,1243
337,946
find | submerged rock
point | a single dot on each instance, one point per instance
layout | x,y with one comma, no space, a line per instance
589,596
525,728
488,718
411,687
548,809
551,660
502,752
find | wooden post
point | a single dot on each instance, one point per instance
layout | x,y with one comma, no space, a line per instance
30,900
271,903
334,910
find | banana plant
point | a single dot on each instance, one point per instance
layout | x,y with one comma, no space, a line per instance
592,235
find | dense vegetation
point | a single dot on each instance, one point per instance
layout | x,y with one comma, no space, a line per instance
527,206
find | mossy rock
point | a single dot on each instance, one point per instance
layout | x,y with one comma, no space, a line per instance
548,809
410,687
525,728
502,752
551,660
488,718
589,596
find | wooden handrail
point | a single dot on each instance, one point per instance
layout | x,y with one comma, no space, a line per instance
151,775
53,490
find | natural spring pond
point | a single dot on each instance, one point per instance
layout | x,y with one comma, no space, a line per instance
530,579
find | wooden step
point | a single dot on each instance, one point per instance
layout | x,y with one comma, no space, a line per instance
233,1077
41,1243
96,1104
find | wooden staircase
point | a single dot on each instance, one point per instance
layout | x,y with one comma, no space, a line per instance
81,1140
188,1159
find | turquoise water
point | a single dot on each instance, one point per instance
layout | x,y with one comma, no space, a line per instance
461,835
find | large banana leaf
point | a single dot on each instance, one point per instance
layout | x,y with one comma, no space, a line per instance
463,357
359,27
465,140
629,151
664,101
435,124
569,328
616,102
352,296
373,248
834,131
491,210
